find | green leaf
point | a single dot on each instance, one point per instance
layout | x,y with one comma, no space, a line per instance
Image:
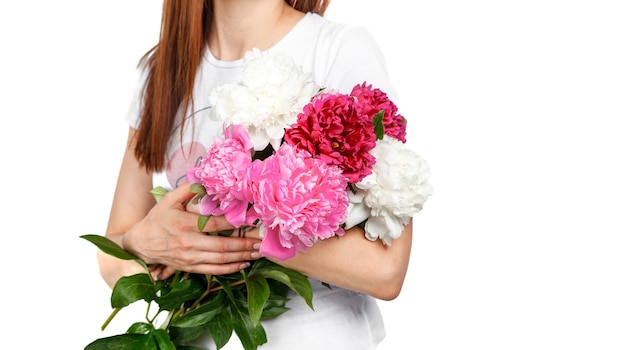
186,290
140,328
274,307
223,233
258,292
184,335
379,128
202,221
123,341
221,328
250,334
129,289
163,340
109,247
158,192
296,281
226,288
197,188
203,313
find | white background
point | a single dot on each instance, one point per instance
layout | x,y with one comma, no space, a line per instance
519,106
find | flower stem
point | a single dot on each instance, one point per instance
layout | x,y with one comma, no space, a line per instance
211,290
208,291
110,318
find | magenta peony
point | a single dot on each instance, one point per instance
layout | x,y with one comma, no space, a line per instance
332,128
223,173
371,101
298,200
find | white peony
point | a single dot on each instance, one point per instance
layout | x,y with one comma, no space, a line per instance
396,190
267,99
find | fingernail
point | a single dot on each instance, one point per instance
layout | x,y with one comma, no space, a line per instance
255,255
244,266
256,246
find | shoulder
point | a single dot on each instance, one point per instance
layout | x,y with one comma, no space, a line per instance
340,55
329,33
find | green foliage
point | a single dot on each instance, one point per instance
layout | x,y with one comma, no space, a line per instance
129,289
202,221
197,189
196,304
158,192
379,127
109,247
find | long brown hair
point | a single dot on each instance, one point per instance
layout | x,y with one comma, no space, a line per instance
172,65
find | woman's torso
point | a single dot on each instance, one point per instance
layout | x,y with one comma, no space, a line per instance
338,57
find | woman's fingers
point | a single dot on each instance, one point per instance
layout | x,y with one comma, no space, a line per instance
216,256
221,250
210,269
169,239
178,196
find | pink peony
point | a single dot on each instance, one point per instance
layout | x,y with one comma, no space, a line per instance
371,101
298,200
332,129
223,173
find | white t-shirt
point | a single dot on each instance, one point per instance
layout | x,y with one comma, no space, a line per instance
338,56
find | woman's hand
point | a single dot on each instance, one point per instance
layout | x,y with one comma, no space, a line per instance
168,238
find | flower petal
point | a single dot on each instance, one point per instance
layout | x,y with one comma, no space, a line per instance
272,248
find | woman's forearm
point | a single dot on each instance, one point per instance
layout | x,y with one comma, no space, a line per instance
353,262
112,269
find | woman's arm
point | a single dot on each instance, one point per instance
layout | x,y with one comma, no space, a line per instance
354,262
164,233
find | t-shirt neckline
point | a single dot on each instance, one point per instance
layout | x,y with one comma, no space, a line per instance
237,63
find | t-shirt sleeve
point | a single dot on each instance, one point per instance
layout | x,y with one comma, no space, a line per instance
134,107
354,57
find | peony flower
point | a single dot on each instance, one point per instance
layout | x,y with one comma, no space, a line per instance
223,174
298,201
371,101
396,190
267,99
331,128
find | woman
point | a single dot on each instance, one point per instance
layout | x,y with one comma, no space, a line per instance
201,46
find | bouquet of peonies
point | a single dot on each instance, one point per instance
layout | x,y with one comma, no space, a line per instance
303,164
335,160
